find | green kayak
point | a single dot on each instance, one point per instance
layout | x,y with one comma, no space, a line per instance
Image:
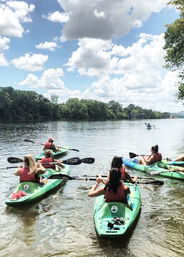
27,192
161,168
60,152
113,219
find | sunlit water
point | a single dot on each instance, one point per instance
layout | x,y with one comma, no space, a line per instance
62,224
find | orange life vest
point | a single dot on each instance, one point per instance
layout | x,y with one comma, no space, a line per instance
123,177
120,196
48,145
45,162
157,156
26,176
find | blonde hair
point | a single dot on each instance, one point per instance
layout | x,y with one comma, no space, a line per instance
31,163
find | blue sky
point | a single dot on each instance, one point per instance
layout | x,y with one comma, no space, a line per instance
101,49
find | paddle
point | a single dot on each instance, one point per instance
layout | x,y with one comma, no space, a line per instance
71,161
132,155
27,140
104,176
59,176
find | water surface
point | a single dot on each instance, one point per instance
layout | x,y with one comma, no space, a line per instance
62,224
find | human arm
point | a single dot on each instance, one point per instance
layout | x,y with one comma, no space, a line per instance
40,168
18,171
96,192
128,177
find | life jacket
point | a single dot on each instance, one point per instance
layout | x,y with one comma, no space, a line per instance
157,156
48,145
47,160
24,176
120,196
123,177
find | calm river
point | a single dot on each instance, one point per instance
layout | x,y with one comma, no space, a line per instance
62,224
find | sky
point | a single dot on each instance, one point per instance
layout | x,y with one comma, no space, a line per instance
94,49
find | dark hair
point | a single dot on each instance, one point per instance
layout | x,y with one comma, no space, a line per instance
48,154
117,162
26,160
154,148
114,180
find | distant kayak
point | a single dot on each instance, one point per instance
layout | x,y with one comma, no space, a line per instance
60,152
28,192
161,168
113,219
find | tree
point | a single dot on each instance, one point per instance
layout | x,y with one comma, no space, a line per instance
174,46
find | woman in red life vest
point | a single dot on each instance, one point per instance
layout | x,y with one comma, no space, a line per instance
117,162
114,190
155,156
47,161
50,145
30,171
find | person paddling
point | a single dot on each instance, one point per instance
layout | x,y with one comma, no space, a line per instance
114,190
50,145
30,170
155,156
48,159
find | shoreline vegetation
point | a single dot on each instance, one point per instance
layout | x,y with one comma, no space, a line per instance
21,106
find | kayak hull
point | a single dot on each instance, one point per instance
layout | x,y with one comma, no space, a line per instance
160,168
34,191
114,219
60,152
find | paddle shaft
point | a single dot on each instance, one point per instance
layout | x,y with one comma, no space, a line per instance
59,176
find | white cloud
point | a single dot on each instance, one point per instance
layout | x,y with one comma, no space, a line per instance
13,14
50,79
3,61
30,63
57,17
106,19
4,41
51,46
140,76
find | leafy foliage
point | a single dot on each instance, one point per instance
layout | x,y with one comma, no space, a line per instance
17,105
174,45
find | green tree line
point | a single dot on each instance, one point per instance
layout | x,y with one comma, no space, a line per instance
19,105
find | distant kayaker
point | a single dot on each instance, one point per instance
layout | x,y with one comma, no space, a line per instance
48,159
114,190
30,170
49,145
155,156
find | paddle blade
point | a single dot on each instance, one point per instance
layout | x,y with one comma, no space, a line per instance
156,182
73,161
132,155
27,140
14,160
88,160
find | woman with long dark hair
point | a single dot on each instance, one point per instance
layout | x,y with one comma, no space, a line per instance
114,190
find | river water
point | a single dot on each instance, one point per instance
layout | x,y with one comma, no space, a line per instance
62,224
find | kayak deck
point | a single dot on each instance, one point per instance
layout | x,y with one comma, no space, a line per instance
27,192
161,168
60,152
113,219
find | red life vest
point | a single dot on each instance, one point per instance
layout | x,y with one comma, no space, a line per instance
110,196
123,177
24,176
48,145
47,160
157,157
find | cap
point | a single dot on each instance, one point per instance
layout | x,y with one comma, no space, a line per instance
50,139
